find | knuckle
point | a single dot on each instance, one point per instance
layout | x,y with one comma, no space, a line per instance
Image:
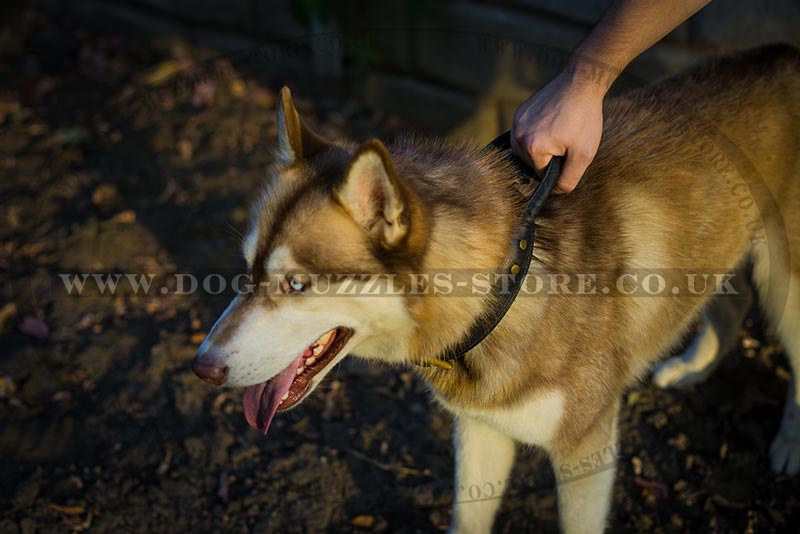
568,185
584,156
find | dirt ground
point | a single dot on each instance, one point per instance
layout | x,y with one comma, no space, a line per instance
104,428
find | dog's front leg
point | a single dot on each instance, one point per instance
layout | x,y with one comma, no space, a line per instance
484,458
585,476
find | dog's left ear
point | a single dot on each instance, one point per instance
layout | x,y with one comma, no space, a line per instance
296,141
374,197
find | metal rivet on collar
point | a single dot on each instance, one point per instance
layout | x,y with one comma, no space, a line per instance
523,244
435,362
514,269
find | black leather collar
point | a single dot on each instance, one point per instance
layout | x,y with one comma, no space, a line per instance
519,262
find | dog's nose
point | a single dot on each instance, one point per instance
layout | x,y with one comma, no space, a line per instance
208,366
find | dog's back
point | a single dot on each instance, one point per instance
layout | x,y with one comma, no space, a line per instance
694,177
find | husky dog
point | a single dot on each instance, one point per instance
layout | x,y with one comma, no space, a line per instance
697,175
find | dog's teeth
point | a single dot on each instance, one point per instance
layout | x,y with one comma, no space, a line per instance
285,396
326,337
309,361
317,350
300,370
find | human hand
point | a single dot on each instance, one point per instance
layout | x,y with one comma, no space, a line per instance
564,118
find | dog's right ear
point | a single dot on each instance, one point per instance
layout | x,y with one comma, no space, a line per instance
296,141
373,196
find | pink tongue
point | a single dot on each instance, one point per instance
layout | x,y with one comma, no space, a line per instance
261,401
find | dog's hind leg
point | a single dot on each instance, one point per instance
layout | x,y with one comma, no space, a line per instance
484,458
779,290
720,324
785,450
585,476
694,365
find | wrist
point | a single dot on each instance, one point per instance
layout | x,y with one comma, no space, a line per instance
589,75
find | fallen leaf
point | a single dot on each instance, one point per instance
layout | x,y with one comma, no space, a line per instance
69,510
197,338
237,88
363,521
6,312
7,387
34,327
186,149
783,373
657,488
162,72
127,216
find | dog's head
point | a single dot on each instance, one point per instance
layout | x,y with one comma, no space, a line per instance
330,213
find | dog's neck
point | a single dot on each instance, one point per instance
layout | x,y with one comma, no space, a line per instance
474,210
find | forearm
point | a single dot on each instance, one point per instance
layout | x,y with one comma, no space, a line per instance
628,28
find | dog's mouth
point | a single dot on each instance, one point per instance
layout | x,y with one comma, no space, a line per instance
288,387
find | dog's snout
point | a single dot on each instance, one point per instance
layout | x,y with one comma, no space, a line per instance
209,365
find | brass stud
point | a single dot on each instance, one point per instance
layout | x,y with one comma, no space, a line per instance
441,364
514,269
523,244
435,362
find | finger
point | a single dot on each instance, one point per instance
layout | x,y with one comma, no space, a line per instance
540,162
572,172
518,147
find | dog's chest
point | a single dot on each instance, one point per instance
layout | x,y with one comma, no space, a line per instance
533,421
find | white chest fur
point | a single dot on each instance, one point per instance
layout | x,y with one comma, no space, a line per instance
533,420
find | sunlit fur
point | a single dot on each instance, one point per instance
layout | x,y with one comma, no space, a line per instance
664,192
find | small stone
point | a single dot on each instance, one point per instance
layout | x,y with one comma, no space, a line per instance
637,466
659,420
185,149
750,343
106,197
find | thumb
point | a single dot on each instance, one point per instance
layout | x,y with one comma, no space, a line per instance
540,162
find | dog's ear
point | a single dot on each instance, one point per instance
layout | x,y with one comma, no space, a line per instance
296,141
374,197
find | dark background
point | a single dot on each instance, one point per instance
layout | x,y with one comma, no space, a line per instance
132,137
